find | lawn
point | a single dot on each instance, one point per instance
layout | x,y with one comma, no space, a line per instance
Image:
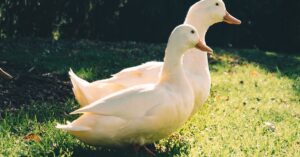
253,109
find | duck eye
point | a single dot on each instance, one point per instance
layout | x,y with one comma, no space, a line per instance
192,31
217,4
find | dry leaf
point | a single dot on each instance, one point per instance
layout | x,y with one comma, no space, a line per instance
254,73
270,126
218,98
32,137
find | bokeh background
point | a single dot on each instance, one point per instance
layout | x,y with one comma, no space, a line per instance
267,24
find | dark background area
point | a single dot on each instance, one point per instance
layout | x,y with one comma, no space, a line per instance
267,24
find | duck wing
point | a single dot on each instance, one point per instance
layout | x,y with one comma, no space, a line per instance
132,102
137,71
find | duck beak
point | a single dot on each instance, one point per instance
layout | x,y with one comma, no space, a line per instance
231,20
203,47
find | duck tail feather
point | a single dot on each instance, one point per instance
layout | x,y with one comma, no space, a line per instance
78,88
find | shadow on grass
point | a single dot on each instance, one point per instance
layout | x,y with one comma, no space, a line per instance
108,152
284,64
84,150
287,65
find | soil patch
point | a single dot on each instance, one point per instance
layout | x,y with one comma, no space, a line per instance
31,85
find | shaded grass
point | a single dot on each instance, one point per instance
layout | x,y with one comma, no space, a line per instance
253,110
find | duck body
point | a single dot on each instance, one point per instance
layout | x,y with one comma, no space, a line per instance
195,67
148,73
87,93
133,116
144,113
201,15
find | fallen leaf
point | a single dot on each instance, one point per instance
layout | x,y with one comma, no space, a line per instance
270,126
254,73
218,98
32,137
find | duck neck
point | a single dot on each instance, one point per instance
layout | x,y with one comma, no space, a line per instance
200,22
194,60
172,69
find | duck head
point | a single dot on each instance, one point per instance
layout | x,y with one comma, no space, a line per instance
185,37
208,12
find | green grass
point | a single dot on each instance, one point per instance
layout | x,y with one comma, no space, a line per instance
253,109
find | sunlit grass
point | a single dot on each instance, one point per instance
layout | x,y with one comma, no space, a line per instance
250,113
253,109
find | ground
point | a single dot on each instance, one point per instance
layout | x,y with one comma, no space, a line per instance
253,109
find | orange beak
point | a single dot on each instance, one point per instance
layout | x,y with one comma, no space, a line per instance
203,47
231,20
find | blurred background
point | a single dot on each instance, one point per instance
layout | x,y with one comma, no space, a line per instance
267,24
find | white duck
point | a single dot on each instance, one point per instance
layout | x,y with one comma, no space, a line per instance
202,15
145,113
